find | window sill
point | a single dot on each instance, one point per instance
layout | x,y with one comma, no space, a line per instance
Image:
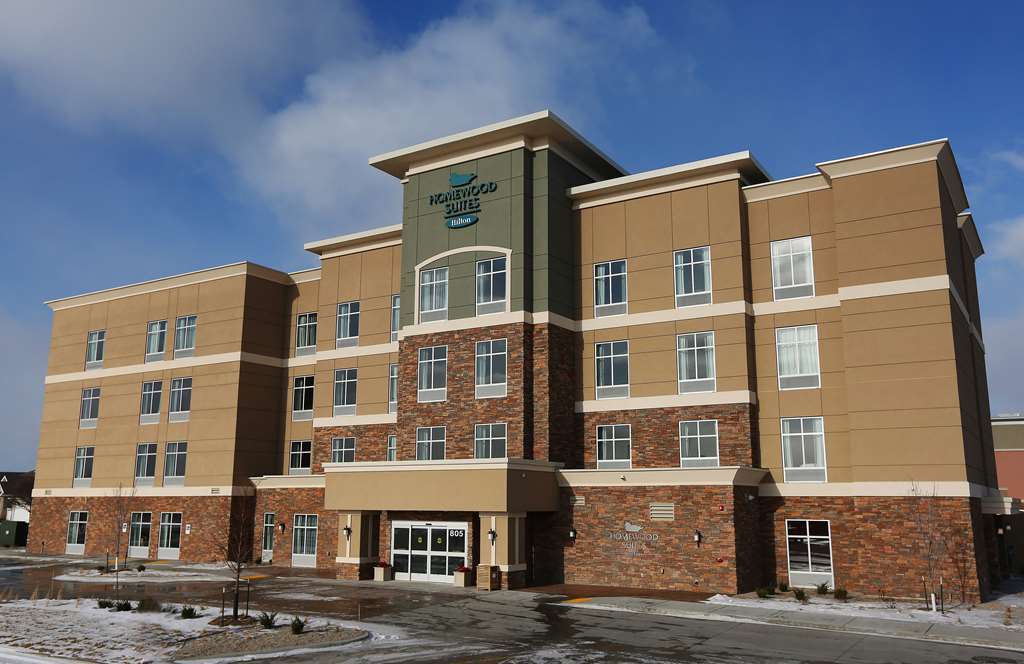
347,342
82,482
614,465
174,481
298,471
184,352
305,350
152,418
804,476
433,316
155,357
793,292
491,391
97,364
709,462
693,386
487,308
809,382
302,415
604,310
432,396
692,300
87,424
344,410
178,417
143,481
612,392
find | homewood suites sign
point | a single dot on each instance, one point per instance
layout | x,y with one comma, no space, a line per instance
633,539
462,201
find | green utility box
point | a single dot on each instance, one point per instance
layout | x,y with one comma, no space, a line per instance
13,533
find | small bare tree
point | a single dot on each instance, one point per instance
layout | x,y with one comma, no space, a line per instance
122,504
960,550
929,524
237,550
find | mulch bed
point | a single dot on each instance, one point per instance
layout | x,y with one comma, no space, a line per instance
253,640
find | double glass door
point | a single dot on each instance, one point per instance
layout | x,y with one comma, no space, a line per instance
428,551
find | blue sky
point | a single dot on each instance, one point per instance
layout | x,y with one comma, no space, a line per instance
146,139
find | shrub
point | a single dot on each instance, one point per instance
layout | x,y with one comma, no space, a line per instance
298,624
140,568
771,588
101,569
189,612
148,604
123,605
105,603
763,593
268,620
841,594
800,595
382,563
783,586
822,588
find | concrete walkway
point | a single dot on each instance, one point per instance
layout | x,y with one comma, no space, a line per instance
993,637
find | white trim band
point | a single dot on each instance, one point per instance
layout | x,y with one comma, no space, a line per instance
355,420
668,401
145,492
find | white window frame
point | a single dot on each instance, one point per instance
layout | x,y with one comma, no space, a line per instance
343,449
490,304
484,438
802,380
441,313
680,265
269,524
153,389
614,462
785,255
431,392
492,390
180,392
185,333
803,474
147,453
305,331
345,378
698,383
346,331
614,390
809,578
169,523
78,523
301,524
307,383
393,387
429,443
176,467
95,344
611,308
160,332
85,460
396,316
392,449
88,420
301,450
139,523
698,461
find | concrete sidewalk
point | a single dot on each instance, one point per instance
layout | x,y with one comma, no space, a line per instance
993,637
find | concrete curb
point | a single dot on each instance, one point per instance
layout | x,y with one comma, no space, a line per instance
897,629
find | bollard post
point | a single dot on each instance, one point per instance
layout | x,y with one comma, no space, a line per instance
248,594
222,590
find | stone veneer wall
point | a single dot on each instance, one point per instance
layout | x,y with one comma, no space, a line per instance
462,410
555,405
655,433
880,544
285,504
212,519
371,442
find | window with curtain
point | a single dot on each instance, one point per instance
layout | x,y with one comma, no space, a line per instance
490,285
803,449
698,443
305,334
348,325
345,381
490,441
430,443
392,388
145,464
612,370
94,344
156,340
396,310
184,336
792,268
300,458
693,276
432,374
150,408
613,446
491,368
696,362
797,352
434,294
343,450
610,288
302,398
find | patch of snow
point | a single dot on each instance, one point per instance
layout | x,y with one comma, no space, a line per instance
133,576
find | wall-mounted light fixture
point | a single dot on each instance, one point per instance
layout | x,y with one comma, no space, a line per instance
698,536
572,534
348,532
491,535
282,526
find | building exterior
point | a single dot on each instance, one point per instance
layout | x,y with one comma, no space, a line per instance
16,496
694,378
1008,439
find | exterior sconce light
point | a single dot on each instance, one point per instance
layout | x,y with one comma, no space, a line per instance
282,527
697,537
491,535
572,535
348,532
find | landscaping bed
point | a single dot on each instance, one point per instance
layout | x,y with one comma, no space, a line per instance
253,640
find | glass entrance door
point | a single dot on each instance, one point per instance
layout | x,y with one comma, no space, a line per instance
169,546
428,551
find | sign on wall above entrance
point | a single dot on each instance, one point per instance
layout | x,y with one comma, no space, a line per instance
463,199
633,539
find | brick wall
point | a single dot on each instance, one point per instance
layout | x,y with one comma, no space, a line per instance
655,433
555,409
212,521
371,442
285,504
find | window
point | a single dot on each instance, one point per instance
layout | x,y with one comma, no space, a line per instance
174,463
90,411
392,388
181,399
305,334
396,311
94,343
150,409
490,286
792,268
156,340
145,464
696,359
809,545
432,374
610,288
348,325
490,441
491,367
345,391
797,351
138,534
301,458
613,443
392,448
434,294
170,535
803,449
304,540
693,276
268,536
612,359
430,443
343,450
698,444
302,398
77,523
184,336
83,465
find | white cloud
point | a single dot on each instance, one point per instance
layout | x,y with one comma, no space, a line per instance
1008,243
1012,157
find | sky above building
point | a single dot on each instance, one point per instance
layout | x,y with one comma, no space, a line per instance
144,139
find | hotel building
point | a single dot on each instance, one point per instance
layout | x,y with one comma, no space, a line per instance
693,378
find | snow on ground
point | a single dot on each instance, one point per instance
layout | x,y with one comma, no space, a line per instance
874,609
134,576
